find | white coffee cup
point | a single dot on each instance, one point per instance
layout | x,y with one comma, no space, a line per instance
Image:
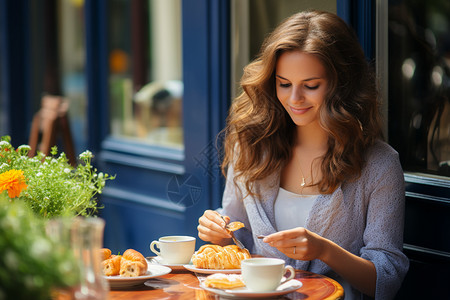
265,274
175,249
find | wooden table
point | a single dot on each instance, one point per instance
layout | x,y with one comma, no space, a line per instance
185,285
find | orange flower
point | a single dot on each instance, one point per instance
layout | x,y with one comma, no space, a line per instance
12,181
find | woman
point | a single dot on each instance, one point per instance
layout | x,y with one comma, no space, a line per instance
305,163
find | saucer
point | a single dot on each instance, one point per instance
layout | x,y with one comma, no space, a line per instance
156,260
285,288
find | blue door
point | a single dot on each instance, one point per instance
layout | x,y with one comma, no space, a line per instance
155,127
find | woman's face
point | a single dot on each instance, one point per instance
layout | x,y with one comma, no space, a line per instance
301,85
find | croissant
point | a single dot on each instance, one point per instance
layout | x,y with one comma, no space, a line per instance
111,265
134,255
224,281
129,268
133,264
105,253
218,257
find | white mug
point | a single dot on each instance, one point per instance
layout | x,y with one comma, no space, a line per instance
175,249
265,274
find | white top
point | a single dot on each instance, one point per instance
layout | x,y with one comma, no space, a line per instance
292,210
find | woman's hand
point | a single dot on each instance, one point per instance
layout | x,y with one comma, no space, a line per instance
298,243
211,228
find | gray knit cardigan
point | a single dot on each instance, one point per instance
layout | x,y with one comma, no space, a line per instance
365,216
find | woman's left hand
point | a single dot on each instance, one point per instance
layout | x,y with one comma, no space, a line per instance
298,243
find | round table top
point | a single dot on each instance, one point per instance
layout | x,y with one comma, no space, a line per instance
183,284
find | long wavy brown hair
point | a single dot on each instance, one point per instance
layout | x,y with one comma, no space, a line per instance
259,135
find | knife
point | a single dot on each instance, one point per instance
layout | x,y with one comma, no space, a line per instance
236,241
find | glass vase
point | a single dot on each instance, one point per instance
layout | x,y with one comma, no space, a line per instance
85,238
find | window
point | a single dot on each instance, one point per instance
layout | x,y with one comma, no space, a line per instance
57,61
3,112
419,84
145,83
72,51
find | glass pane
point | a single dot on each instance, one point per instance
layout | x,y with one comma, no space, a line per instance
146,87
419,84
57,58
2,99
252,20
72,51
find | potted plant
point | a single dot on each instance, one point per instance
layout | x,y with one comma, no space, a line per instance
49,185
34,191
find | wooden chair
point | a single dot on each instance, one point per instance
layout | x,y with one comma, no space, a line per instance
48,123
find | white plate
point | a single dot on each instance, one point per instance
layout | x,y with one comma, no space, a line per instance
212,271
152,272
156,260
285,288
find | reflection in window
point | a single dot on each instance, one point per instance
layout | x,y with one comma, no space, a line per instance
146,87
57,62
72,67
2,103
419,84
